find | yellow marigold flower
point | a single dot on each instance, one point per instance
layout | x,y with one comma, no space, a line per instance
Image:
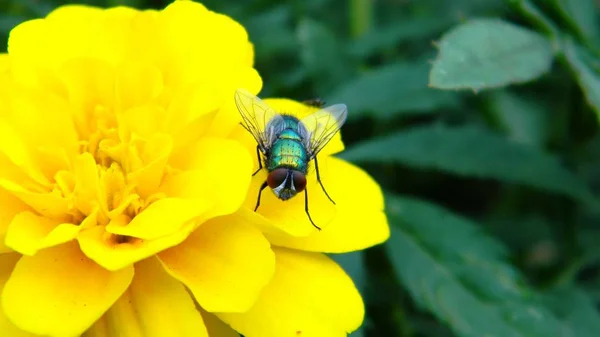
127,196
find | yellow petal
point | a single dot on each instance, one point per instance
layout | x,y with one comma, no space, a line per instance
100,329
156,305
309,295
363,197
216,168
41,134
290,215
110,252
90,87
29,233
360,221
215,326
137,85
225,264
87,183
189,104
15,148
7,264
143,121
163,218
185,21
155,156
228,118
52,205
11,206
351,230
60,292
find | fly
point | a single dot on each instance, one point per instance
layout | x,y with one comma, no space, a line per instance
288,144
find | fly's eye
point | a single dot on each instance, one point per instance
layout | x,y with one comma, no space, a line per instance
299,181
277,177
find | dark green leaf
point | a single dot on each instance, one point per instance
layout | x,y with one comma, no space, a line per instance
582,15
272,33
400,31
525,120
489,53
537,17
320,53
471,151
573,306
460,274
587,78
393,90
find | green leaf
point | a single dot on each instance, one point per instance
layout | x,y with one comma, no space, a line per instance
489,53
574,306
399,31
525,120
392,90
321,54
582,15
587,78
537,17
271,42
471,151
459,273
354,265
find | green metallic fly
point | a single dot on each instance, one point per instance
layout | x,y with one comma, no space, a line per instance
288,144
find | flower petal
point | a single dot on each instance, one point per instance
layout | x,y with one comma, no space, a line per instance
214,167
154,156
15,148
90,88
224,263
29,233
163,218
7,264
310,295
61,292
290,215
351,230
85,191
229,49
215,326
51,205
11,206
100,329
129,92
360,222
156,305
43,136
107,250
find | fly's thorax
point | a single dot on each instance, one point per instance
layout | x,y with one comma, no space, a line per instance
288,153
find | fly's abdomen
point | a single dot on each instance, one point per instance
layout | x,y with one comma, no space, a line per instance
288,153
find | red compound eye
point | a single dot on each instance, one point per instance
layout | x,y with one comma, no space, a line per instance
299,181
277,177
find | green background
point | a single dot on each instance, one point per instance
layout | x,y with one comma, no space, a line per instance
479,118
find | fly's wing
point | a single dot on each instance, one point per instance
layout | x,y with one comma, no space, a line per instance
259,119
318,128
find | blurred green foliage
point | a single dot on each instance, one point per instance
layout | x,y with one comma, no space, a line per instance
479,118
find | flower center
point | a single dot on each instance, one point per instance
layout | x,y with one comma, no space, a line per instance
116,174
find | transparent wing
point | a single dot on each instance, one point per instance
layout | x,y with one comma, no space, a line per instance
318,128
259,119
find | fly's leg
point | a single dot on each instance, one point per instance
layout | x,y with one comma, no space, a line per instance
259,161
262,187
306,208
319,180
